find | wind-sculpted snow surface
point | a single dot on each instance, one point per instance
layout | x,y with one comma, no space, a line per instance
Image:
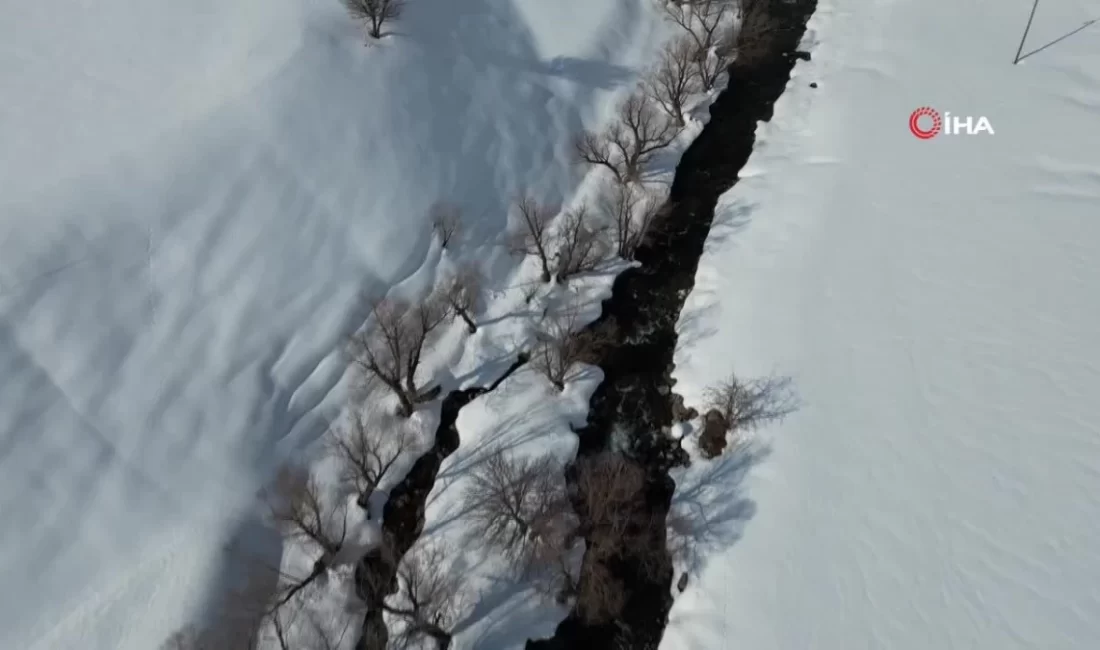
936,304
195,196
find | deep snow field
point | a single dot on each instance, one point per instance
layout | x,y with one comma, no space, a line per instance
195,197
936,303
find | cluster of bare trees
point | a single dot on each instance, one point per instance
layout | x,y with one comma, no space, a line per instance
716,34
580,240
374,14
564,245
521,506
652,117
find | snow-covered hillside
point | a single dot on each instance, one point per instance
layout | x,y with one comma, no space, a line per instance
194,198
936,303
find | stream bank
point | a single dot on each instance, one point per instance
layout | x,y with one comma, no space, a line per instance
635,403
403,514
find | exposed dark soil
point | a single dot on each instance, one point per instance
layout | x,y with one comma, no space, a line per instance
636,397
403,514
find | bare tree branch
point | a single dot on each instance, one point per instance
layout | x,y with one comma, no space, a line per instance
631,213
462,290
446,221
618,525
514,502
297,506
675,79
748,404
375,13
581,248
561,344
701,21
429,602
367,449
600,594
627,145
533,237
389,352
252,612
738,405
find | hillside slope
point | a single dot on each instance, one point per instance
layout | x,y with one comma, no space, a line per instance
195,197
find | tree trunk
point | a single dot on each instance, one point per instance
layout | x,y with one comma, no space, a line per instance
442,639
470,326
407,405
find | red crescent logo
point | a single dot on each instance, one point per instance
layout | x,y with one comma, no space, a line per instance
914,123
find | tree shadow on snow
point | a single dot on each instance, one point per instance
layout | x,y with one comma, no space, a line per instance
709,509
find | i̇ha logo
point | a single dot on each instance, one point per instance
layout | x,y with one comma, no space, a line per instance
926,123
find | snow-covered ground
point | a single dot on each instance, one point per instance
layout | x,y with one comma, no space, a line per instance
194,198
936,303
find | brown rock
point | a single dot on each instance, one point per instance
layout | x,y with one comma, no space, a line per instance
713,439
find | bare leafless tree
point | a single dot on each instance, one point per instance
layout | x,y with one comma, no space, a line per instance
618,525
280,618
446,221
462,289
736,405
367,448
702,21
748,404
631,213
560,344
297,505
258,612
533,236
550,562
389,351
675,78
580,246
600,594
375,13
630,142
513,502
610,486
428,602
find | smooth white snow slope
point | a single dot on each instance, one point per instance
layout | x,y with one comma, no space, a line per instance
937,305
194,196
